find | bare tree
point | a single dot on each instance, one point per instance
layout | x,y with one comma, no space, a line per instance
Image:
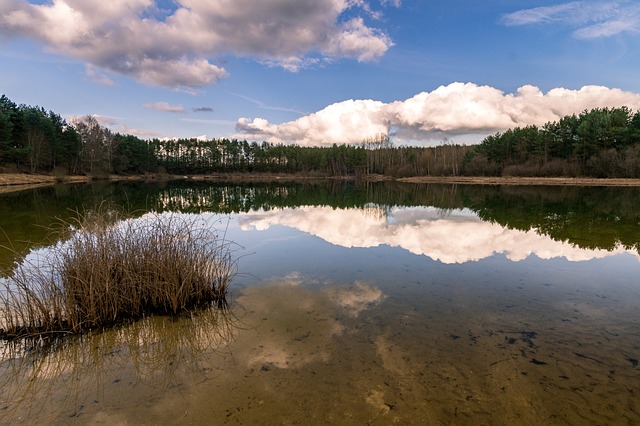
97,144
35,142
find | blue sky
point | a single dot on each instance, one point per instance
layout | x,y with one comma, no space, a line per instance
320,71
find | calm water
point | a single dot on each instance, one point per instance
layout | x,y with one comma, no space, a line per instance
360,304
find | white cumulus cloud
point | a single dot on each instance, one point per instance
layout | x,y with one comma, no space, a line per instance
454,110
175,48
344,122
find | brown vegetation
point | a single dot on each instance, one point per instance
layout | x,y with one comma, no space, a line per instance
110,269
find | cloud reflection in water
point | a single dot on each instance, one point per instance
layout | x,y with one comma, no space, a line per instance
292,335
449,236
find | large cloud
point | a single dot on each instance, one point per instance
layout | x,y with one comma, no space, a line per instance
453,110
173,48
344,122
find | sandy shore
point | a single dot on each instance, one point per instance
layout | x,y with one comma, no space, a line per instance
559,181
13,182
10,182
7,179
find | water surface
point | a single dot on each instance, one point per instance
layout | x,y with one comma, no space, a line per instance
354,304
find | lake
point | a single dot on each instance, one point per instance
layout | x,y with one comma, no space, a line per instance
372,303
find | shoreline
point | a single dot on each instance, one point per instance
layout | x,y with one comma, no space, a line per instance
522,181
13,182
10,182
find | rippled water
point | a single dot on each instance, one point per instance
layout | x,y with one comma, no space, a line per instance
378,304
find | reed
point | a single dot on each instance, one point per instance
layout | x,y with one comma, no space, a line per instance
109,269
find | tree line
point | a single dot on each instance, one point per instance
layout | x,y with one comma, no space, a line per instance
39,141
599,143
34,139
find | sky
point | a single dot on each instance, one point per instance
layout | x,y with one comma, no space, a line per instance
318,72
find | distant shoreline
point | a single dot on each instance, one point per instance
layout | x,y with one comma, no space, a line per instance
10,182
507,180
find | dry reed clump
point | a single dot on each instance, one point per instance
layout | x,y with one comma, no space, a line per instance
110,269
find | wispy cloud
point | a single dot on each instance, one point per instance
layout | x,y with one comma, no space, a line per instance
175,48
164,106
395,3
98,77
205,121
262,105
115,124
137,132
106,120
545,14
627,24
203,109
590,19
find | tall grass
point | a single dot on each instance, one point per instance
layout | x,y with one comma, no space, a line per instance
109,269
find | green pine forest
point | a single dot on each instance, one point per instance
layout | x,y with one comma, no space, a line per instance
602,142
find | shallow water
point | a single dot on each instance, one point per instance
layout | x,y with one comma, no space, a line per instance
380,305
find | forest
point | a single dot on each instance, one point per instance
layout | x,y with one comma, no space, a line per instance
602,143
596,143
